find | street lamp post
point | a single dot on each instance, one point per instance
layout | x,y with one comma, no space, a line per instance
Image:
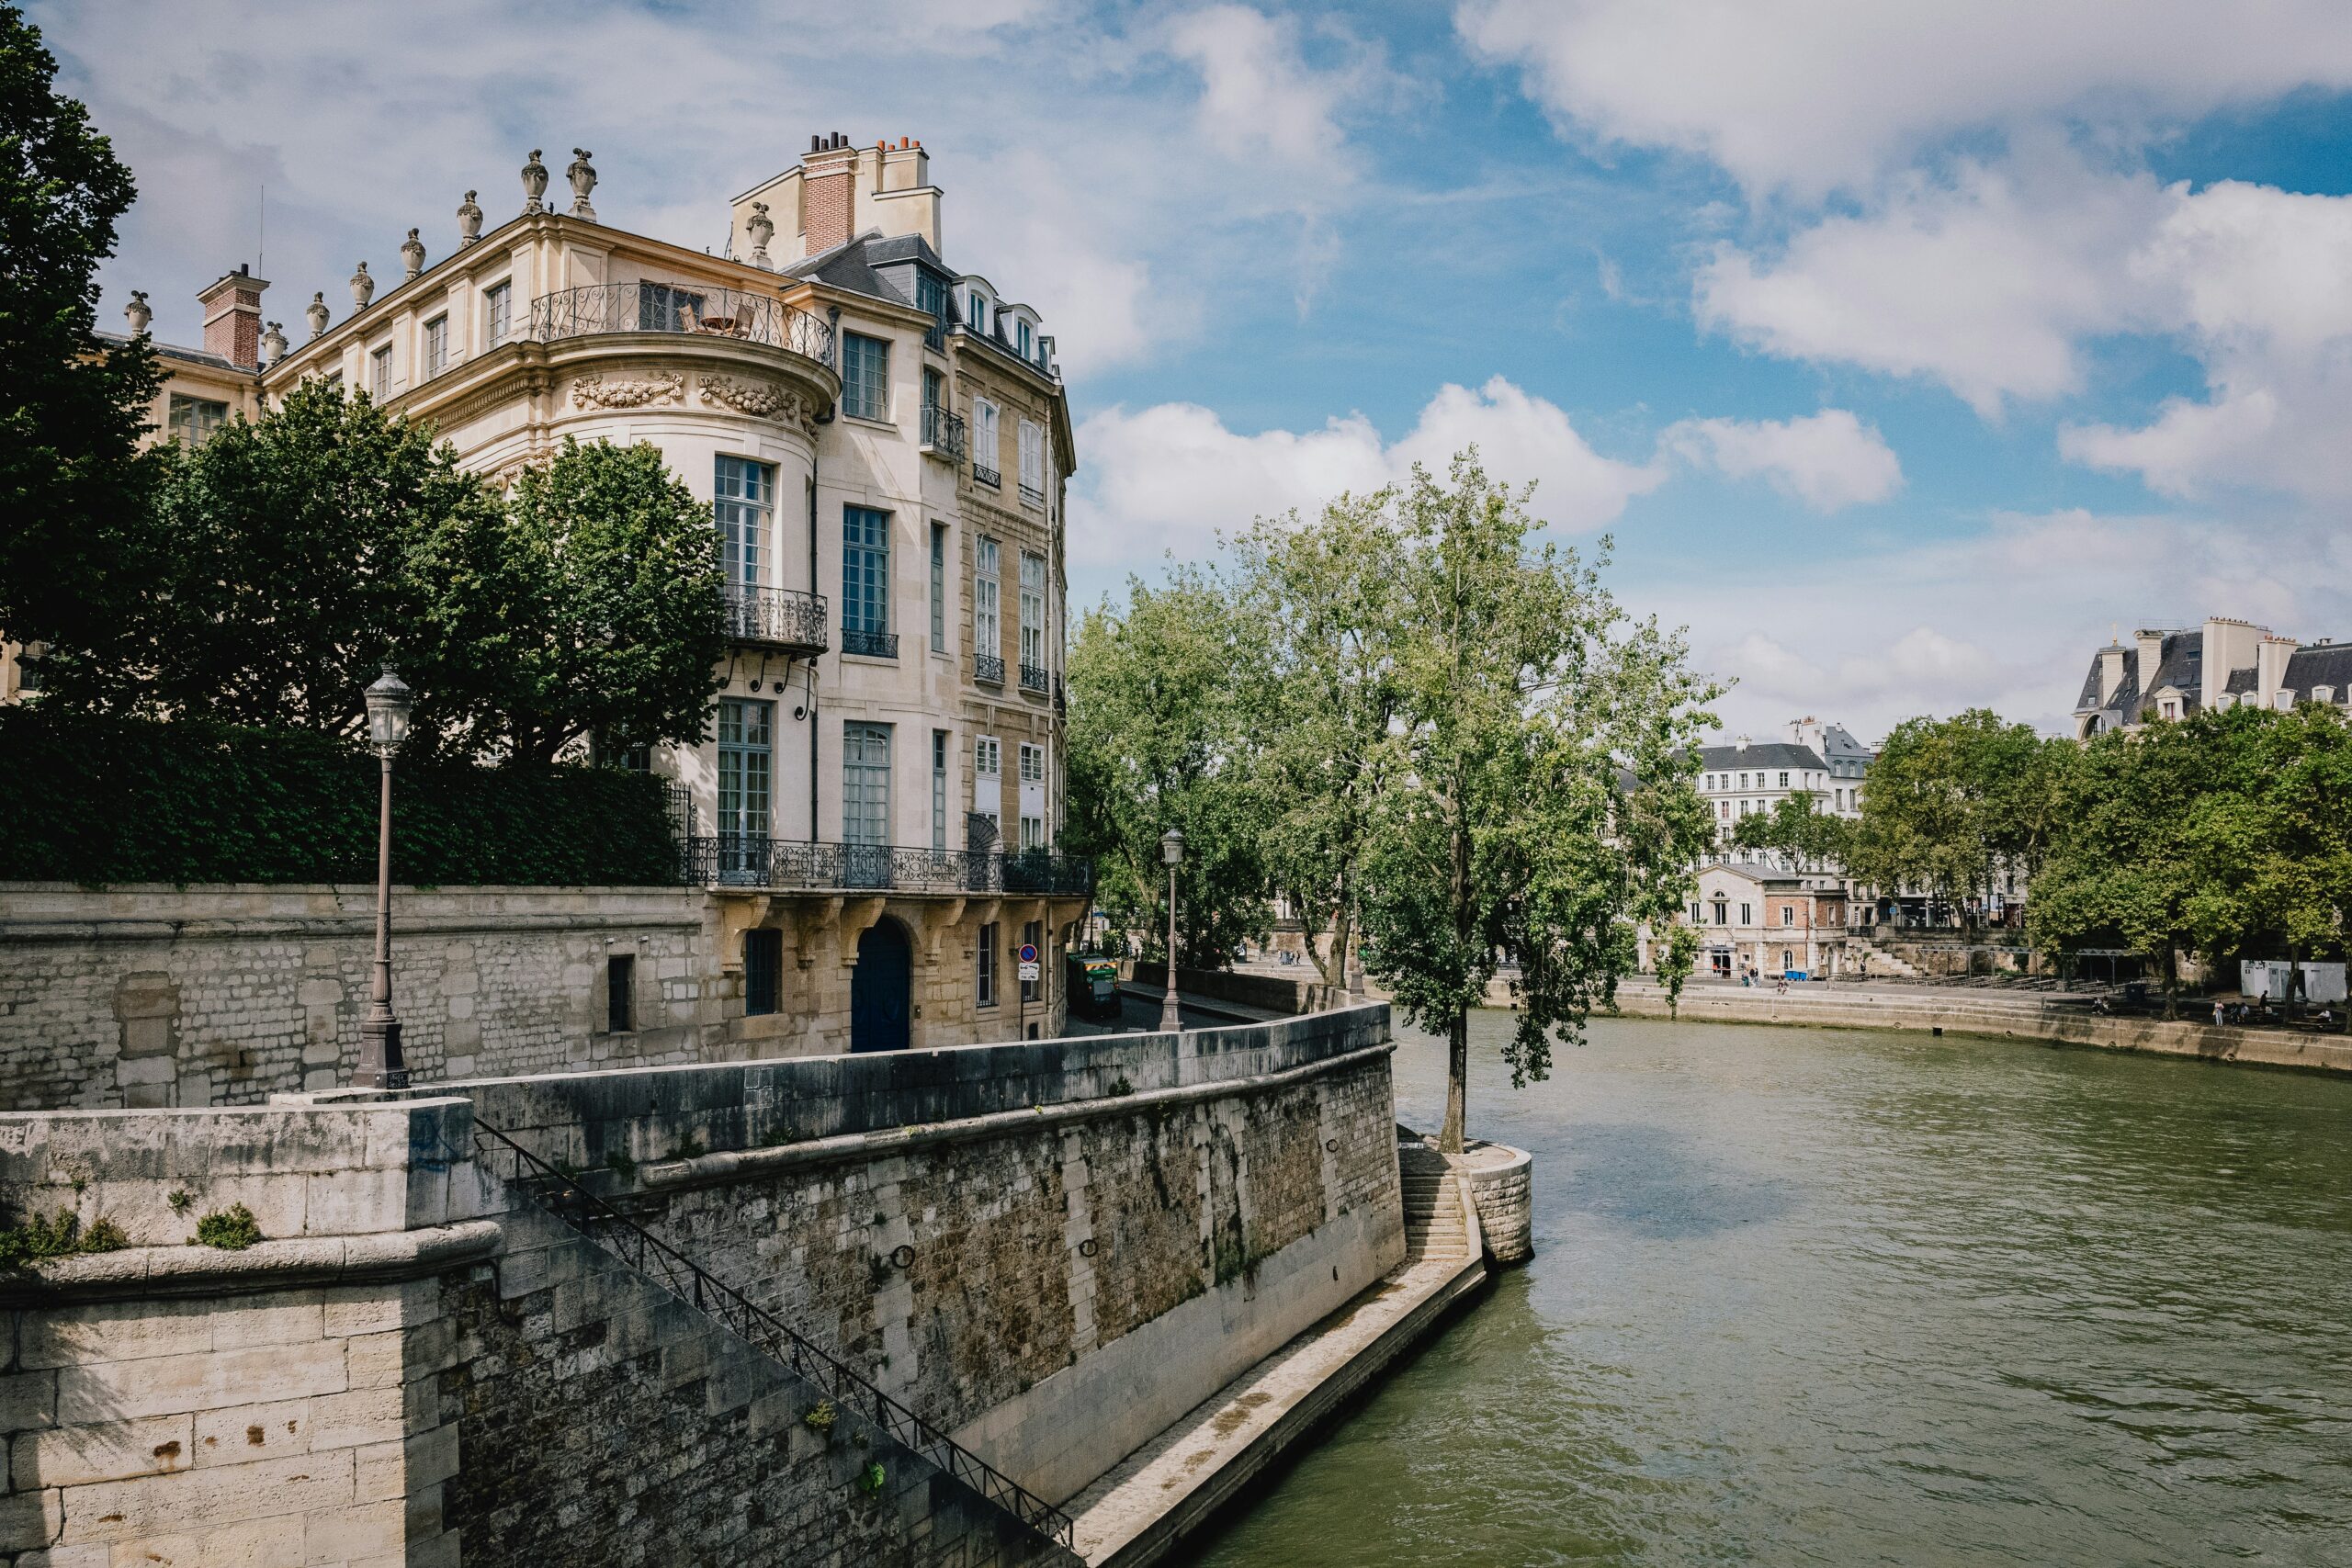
1171,850
381,1063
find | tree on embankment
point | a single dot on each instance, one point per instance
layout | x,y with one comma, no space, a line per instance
1953,804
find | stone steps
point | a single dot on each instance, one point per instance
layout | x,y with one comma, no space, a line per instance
1434,1227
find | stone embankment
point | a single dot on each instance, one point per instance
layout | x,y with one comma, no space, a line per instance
2028,1016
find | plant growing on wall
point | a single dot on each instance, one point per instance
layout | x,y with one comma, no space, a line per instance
231,1229
61,1235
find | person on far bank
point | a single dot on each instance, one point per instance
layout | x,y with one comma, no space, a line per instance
2217,1012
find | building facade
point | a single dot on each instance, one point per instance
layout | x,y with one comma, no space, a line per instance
2224,664
1764,921
884,445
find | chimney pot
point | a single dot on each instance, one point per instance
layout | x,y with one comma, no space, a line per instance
233,317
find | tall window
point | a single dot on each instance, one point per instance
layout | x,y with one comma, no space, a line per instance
1021,338
620,980
976,312
865,376
985,453
988,626
987,778
939,588
663,307
742,493
763,969
1032,612
984,982
379,373
746,765
1032,459
866,569
865,783
939,789
193,419
498,312
1033,796
931,298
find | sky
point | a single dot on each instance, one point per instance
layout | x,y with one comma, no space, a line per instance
1900,353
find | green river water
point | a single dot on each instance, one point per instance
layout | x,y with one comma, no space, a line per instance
1843,1297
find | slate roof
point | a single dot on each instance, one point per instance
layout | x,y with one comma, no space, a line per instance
1762,875
2321,664
1763,754
174,351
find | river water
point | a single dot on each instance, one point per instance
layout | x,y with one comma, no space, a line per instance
1839,1297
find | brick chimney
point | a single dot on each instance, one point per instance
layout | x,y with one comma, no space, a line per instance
829,171
233,317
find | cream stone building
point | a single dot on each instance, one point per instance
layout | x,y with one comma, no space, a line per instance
884,445
2222,663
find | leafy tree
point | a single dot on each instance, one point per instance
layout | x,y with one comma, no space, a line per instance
1798,828
1320,629
72,483
1525,700
1157,740
591,605
1678,954
1953,803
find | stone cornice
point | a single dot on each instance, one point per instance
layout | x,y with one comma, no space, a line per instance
142,1271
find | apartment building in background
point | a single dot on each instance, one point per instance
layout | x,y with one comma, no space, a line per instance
2224,664
884,445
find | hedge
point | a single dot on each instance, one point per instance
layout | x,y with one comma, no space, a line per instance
97,800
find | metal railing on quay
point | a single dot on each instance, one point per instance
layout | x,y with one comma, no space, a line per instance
785,617
643,307
599,1222
760,860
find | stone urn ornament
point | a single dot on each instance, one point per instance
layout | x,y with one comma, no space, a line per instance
469,221
534,184
136,313
413,254
761,228
273,344
582,175
362,287
318,312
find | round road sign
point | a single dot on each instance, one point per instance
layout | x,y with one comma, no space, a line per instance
1028,952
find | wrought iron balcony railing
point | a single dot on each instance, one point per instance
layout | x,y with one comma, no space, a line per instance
943,433
757,859
987,668
1036,677
775,618
983,474
676,308
871,645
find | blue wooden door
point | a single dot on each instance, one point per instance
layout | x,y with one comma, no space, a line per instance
879,990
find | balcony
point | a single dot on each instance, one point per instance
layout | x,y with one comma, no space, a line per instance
943,433
757,859
775,618
1036,677
870,645
668,308
982,474
1032,496
987,668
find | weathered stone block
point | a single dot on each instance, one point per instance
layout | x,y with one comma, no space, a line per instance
163,1384
244,1433
27,1401
110,1451
216,1495
31,1519
113,1331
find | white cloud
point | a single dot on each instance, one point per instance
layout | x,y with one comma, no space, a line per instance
1829,460
1811,95
1172,477
1259,96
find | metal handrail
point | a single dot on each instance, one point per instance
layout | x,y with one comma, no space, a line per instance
1034,677
944,431
987,668
761,860
600,1223
784,617
691,309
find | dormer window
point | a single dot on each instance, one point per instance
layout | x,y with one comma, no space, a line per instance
2169,708
2283,701
976,311
2322,693
1022,342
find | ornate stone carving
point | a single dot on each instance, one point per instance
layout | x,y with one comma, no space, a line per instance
136,313
582,175
469,221
317,313
596,392
506,474
273,344
761,400
362,287
534,184
413,254
761,229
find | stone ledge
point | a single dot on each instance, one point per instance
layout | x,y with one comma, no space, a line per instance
137,1271
736,1165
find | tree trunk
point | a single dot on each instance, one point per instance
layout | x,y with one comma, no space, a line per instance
2172,982
1457,1081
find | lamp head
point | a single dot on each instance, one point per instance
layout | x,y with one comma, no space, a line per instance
1171,847
388,701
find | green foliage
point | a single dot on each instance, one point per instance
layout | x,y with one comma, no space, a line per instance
109,800
231,1229
61,1235
1677,954
72,483
1953,803
820,1418
1158,738
2227,834
1798,826
1545,748
180,1200
873,1478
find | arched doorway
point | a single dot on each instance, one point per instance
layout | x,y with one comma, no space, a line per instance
878,988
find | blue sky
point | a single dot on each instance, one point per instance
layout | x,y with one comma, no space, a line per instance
1902,350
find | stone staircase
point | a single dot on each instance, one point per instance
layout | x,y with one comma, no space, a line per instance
1881,961
1434,1229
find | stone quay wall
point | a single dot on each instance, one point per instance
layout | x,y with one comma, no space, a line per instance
1054,1247
145,997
